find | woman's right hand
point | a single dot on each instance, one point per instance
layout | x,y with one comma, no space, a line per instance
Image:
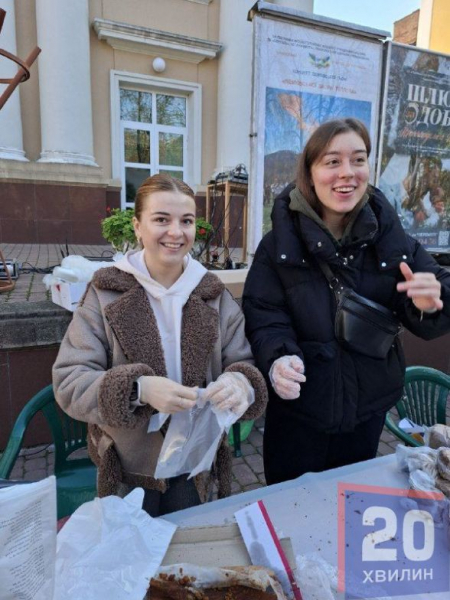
165,395
285,375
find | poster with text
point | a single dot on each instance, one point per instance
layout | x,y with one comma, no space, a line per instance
414,160
304,75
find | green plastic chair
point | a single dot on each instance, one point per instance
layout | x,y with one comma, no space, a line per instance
424,401
76,478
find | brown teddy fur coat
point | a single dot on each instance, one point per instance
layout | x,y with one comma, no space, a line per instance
112,340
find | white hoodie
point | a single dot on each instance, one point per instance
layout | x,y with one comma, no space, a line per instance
167,304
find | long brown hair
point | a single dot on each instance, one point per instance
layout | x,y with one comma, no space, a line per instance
316,147
159,183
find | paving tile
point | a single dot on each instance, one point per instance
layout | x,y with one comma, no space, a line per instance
260,422
20,462
255,438
384,449
35,475
247,449
17,474
35,464
235,488
244,475
255,462
253,486
34,450
29,286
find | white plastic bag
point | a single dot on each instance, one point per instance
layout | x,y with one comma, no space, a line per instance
28,540
110,549
75,268
192,439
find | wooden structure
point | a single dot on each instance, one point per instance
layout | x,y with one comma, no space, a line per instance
230,190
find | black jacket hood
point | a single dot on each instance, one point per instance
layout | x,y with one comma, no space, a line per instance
377,224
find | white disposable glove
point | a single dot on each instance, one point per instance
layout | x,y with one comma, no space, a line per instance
285,375
230,391
165,395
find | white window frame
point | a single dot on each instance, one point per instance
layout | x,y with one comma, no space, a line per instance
193,139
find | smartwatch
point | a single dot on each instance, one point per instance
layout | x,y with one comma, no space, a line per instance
135,395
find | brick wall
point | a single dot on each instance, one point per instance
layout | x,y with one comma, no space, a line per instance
40,213
405,30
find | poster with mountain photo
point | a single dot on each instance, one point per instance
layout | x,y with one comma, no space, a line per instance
304,74
414,161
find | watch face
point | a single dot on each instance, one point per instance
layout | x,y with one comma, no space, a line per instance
134,392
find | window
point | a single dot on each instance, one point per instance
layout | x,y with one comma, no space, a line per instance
155,133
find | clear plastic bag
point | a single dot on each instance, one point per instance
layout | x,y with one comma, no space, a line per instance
420,463
315,577
438,436
192,439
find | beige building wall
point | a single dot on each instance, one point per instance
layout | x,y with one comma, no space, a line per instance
177,16
184,18
434,25
43,202
61,192
440,26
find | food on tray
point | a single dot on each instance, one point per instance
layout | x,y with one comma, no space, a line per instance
176,590
190,582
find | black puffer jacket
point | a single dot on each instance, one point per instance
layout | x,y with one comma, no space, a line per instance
290,309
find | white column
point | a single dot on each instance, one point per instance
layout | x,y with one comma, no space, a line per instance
11,140
425,19
65,82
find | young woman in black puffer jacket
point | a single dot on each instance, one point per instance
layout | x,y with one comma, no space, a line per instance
328,403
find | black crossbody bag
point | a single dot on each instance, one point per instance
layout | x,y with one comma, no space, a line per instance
361,324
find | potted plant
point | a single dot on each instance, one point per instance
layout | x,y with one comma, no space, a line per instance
118,230
203,234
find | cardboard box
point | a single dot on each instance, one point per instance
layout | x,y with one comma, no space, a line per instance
67,294
220,546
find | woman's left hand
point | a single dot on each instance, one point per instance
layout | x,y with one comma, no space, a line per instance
230,391
423,289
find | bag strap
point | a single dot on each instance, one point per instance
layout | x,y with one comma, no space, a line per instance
333,281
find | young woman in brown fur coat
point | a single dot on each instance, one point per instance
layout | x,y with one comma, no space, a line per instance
147,333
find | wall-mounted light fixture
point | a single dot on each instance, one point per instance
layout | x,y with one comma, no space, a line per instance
159,65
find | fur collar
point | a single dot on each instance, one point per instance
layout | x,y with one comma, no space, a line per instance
111,278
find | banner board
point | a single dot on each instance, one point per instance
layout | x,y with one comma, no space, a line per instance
303,75
414,163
